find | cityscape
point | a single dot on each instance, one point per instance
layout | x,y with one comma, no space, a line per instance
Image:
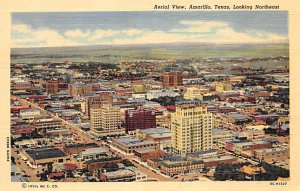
136,101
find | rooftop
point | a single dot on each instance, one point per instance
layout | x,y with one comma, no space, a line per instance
133,141
103,160
96,150
156,132
219,158
82,145
45,153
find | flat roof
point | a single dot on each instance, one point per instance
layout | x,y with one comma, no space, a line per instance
179,161
203,152
45,152
270,150
133,141
82,145
155,130
220,158
119,173
96,150
103,159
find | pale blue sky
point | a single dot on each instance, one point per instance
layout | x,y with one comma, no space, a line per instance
90,28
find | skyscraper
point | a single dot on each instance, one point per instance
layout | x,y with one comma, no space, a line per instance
172,79
191,128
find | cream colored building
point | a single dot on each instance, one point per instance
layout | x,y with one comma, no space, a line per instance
220,87
78,89
106,120
193,93
191,129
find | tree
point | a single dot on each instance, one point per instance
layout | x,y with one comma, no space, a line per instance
12,160
43,177
127,163
270,121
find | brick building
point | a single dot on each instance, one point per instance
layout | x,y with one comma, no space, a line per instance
172,79
139,119
52,87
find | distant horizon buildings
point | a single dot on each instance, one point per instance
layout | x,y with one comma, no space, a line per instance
172,79
191,128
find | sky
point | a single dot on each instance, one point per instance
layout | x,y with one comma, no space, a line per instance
56,29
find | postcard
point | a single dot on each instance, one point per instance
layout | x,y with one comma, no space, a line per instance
170,95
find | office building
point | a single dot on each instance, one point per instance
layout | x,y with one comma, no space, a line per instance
172,79
139,119
52,87
78,89
191,128
193,93
106,121
97,101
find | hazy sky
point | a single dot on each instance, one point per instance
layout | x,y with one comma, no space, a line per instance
91,28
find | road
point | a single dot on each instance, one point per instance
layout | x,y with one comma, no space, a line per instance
241,157
89,139
24,167
142,167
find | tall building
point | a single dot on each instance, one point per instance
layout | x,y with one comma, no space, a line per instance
97,101
193,93
139,119
191,128
52,87
76,89
172,79
106,120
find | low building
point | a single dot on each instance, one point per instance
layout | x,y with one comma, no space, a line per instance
177,165
215,161
96,164
163,121
271,154
203,154
123,175
237,118
128,144
239,146
250,134
221,135
94,153
45,125
145,154
158,134
193,93
44,155
78,148
154,94
29,114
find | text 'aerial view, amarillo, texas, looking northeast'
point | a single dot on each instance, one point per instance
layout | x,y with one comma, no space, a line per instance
149,96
